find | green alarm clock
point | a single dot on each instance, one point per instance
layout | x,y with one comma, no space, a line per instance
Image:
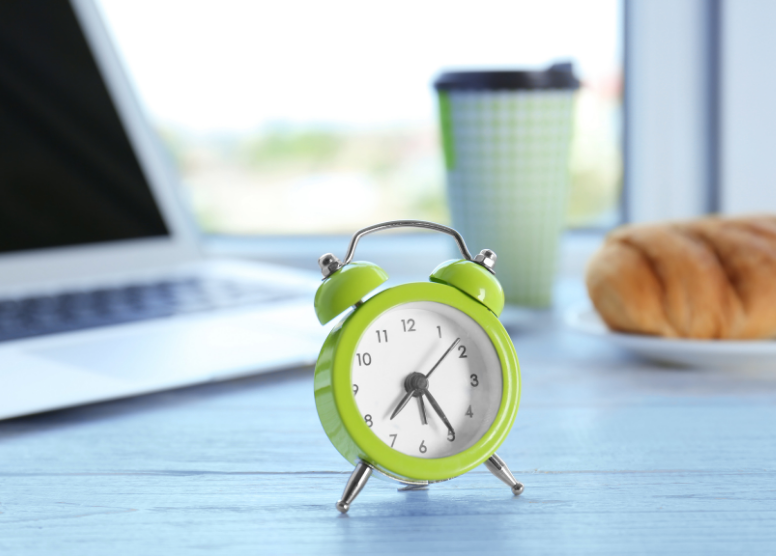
419,382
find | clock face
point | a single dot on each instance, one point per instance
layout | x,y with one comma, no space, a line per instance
427,379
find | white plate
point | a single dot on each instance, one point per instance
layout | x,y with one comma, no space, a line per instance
692,353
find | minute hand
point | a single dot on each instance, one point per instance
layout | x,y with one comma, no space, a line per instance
455,343
439,411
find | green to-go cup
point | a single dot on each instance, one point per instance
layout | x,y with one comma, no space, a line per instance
506,137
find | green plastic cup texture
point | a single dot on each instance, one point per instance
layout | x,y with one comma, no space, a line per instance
507,157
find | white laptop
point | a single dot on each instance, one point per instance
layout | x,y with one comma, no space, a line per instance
103,290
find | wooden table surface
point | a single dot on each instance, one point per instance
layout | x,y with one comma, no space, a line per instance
618,456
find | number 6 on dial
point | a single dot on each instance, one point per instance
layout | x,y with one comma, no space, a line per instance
441,396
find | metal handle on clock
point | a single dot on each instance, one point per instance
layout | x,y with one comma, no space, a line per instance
329,263
405,224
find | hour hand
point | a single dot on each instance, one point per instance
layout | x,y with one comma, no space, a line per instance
438,410
404,401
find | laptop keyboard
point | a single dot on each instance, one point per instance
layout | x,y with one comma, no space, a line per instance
77,310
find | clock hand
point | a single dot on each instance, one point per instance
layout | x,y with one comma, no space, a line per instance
419,387
404,401
455,343
439,411
423,418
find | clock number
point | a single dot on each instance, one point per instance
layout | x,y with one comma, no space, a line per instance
409,325
463,355
384,336
394,439
439,329
423,449
469,412
450,436
355,389
366,359
368,420
474,381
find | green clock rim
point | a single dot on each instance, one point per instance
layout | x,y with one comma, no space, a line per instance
375,451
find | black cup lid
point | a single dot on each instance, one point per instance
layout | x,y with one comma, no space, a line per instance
557,76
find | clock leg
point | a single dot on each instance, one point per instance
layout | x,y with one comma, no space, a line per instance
497,466
356,482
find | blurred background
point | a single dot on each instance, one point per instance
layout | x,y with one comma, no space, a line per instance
300,117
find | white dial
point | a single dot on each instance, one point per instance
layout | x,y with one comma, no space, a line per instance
441,364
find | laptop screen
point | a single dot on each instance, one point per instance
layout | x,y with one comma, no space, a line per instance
68,174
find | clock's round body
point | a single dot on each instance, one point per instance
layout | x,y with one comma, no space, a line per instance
420,382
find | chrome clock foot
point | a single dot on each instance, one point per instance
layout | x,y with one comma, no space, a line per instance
356,482
497,466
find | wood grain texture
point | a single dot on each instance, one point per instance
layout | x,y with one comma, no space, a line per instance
618,457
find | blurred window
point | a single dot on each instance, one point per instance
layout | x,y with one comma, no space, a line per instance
310,116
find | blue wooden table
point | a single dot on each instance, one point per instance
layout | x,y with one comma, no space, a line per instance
618,456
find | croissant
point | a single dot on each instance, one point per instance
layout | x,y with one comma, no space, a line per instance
710,278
